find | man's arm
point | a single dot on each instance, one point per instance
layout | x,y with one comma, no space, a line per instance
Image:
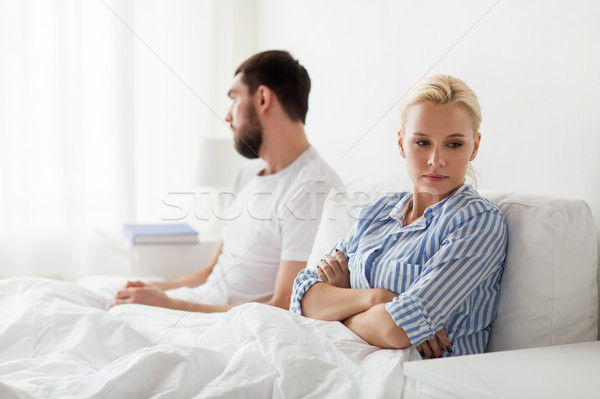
193,279
281,296
284,281
150,294
153,293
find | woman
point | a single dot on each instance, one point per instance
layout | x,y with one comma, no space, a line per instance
422,261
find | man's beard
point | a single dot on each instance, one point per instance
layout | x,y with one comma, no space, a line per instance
248,138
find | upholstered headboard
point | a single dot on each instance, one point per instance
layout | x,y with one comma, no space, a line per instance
549,292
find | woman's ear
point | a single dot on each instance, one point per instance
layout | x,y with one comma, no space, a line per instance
475,146
401,144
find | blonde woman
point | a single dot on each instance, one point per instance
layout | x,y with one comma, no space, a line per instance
419,268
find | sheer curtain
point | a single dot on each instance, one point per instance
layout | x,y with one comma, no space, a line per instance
102,108
65,132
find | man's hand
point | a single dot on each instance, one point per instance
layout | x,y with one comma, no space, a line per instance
131,284
142,293
334,270
432,348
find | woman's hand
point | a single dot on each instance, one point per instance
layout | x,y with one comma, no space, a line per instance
432,348
333,270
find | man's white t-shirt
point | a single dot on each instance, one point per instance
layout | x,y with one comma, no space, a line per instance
269,219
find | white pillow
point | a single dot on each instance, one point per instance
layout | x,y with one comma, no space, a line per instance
340,211
549,292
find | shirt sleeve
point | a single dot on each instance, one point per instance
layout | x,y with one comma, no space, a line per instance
300,215
470,253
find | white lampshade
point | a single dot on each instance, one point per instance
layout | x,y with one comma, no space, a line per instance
218,162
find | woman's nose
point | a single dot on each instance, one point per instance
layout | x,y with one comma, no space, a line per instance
436,159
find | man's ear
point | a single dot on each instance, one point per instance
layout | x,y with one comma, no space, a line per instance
264,98
475,146
401,144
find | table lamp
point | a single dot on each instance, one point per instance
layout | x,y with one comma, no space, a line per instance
218,164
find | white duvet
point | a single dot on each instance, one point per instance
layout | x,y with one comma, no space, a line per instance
57,340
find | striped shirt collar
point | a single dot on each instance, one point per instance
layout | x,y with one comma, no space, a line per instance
398,212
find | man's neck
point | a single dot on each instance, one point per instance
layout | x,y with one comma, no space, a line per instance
282,146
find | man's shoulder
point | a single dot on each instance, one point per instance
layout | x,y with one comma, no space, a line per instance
251,169
308,183
314,171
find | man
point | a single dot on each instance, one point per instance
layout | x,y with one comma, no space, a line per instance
279,198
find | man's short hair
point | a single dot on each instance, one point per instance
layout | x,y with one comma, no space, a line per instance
280,72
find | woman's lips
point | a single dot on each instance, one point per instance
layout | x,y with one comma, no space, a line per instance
434,177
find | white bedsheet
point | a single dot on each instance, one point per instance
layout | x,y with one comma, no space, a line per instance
57,340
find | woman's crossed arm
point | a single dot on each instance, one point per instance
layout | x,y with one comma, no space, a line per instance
361,310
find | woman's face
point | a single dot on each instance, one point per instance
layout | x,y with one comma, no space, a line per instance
438,142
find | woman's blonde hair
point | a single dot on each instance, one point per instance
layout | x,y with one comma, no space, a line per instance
441,89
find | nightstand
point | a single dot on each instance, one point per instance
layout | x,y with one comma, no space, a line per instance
119,256
561,371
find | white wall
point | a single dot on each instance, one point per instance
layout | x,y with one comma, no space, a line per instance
185,54
534,65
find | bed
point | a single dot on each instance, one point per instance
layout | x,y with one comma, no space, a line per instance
58,339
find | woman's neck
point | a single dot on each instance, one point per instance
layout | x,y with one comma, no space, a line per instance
420,202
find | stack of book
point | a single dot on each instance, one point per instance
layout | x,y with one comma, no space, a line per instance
180,233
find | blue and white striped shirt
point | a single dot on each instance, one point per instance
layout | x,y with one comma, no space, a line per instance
446,266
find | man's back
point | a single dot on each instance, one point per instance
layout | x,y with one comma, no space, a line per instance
270,219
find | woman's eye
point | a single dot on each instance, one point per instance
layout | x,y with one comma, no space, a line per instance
454,145
421,143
